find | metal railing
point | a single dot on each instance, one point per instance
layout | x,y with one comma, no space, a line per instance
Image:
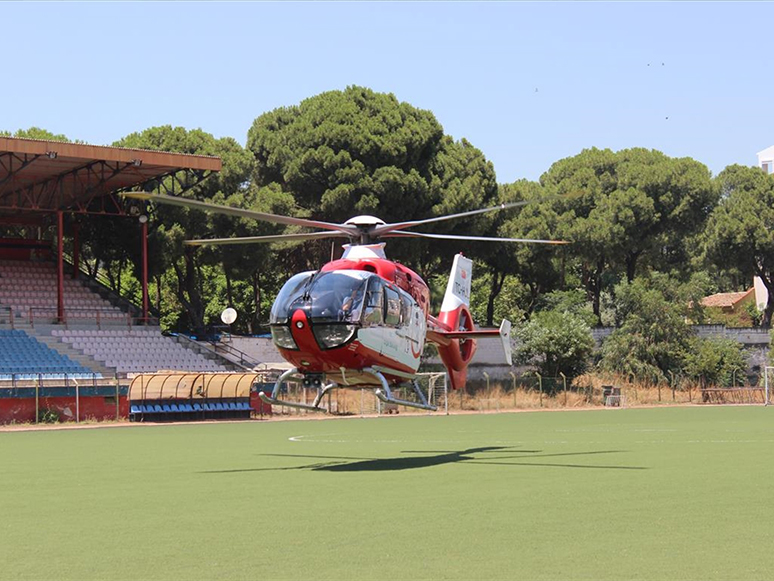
245,363
7,316
130,299
48,315
244,359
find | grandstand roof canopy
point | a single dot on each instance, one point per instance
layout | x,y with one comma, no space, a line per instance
45,176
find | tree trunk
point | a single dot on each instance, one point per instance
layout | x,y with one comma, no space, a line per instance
188,292
158,294
594,284
534,293
631,264
229,290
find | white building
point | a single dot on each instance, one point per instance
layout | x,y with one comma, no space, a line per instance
766,163
766,159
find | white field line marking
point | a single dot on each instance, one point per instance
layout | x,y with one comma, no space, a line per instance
312,439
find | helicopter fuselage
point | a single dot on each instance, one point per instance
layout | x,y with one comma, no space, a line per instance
360,312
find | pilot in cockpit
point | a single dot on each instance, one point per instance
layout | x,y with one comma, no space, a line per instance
350,304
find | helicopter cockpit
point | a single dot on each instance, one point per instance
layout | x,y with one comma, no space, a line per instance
328,297
336,302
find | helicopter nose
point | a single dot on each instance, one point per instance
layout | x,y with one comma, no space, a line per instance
302,331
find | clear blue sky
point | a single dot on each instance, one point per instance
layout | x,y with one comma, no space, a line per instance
527,83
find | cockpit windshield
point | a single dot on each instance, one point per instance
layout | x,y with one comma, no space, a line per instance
327,296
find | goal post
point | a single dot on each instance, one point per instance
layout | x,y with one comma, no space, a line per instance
768,381
436,387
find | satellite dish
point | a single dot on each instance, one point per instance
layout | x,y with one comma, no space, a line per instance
228,316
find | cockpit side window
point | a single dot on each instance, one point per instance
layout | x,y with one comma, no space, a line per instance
405,314
391,307
372,315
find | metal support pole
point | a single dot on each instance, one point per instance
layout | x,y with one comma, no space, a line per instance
564,381
513,377
76,250
118,412
540,385
37,400
144,228
488,391
446,393
672,383
60,266
77,402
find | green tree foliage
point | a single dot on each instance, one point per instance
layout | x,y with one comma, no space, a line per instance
555,342
171,226
533,265
344,153
37,133
571,301
621,207
507,304
715,361
740,232
653,336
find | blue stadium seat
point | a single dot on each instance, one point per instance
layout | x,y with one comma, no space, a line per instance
23,354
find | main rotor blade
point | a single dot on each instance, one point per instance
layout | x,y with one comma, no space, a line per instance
239,212
271,238
379,230
473,238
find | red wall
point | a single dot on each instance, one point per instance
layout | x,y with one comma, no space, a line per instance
22,249
22,410
93,408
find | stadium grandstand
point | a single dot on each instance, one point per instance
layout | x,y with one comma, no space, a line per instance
56,322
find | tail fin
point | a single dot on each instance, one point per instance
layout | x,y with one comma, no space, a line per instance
454,332
505,337
455,316
458,289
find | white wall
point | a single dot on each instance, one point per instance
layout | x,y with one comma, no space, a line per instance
767,157
761,294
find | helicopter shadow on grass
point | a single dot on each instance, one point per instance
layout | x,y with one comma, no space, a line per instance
430,458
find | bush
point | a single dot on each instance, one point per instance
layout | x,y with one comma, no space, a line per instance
713,361
48,416
556,342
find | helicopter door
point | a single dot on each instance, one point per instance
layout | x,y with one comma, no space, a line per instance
410,331
393,341
371,333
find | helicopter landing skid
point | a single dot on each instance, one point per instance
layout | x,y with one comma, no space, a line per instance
385,395
273,399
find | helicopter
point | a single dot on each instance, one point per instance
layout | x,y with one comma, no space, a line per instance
362,321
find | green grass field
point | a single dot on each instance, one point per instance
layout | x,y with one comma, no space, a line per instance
680,493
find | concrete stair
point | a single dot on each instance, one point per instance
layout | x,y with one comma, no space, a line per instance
65,349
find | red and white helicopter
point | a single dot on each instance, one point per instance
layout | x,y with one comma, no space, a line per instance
363,320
